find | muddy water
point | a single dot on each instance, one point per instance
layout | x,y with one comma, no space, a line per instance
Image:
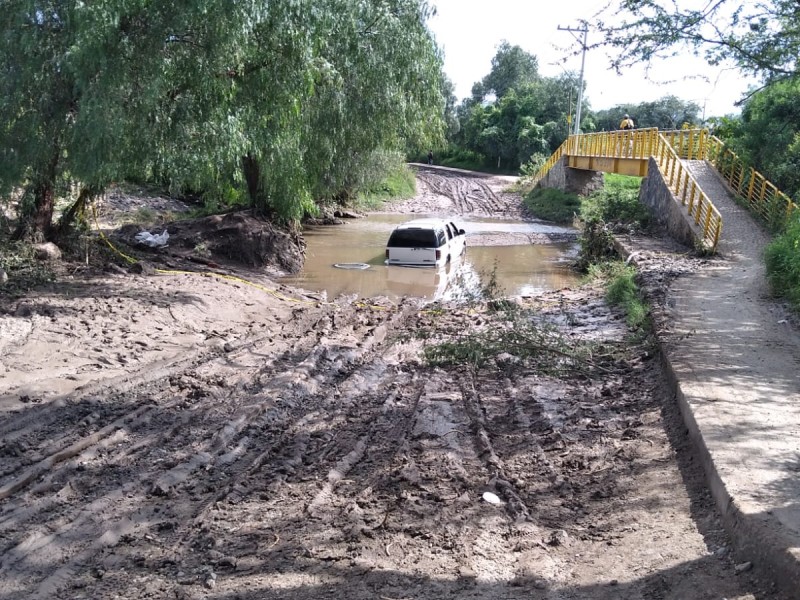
520,269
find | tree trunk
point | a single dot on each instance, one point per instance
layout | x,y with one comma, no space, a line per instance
252,177
76,210
45,197
38,224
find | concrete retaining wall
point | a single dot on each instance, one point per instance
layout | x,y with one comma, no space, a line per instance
575,181
654,194
665,207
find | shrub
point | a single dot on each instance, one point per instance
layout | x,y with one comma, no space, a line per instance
617,203
460,158
387,177
552,204
782,259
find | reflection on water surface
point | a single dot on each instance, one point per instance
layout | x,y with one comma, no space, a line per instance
521,270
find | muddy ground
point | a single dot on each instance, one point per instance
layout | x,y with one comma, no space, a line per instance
176,435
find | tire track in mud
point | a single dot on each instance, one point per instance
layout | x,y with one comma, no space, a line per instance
469,195
380,496
106,523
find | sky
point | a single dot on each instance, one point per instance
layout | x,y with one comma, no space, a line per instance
469,32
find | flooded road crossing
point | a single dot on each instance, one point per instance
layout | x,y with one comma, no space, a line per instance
510,251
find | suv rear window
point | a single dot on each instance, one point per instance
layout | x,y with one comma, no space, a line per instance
413,238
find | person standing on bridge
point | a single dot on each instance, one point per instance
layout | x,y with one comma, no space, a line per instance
627,122
627,125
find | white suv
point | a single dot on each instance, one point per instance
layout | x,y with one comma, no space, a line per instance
425,243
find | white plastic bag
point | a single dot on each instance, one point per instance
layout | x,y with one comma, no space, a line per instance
154,241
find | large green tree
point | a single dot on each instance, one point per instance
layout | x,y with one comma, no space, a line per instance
512,68
669,112
280,99
768,134
761,37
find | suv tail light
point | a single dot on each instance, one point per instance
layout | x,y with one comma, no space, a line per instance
387,254
438,255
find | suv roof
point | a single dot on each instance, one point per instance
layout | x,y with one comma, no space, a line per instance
423,224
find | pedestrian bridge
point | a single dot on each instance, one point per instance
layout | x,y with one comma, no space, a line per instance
671,153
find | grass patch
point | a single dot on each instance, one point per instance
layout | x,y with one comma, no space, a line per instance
398,184
617,203
614,209
619,281
519,336
552,204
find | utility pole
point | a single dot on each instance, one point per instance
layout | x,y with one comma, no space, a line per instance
585,32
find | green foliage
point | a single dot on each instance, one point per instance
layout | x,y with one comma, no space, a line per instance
762,38
24,271
527,115
617,203
274,101
507,132
615,207
470,160
533,164
619,280
768,135
552,204
512,69
669,112
516,333
782,258
596,244
386,177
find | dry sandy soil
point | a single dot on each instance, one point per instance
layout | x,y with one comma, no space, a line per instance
186,436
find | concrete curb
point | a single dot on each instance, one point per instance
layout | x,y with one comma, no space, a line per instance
758,539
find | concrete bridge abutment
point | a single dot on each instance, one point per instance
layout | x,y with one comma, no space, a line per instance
576,181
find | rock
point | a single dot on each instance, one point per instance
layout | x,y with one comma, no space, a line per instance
3,277
184,594
742,567
24,309
210,581
228,561
559,538
159,489
215,555
345,214
47,251
116,269
142,268
507,359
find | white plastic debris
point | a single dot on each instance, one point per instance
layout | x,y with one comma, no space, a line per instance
491,498
154,241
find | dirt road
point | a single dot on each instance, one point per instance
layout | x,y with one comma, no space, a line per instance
292,449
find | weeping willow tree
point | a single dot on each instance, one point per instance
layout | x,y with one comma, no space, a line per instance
282,100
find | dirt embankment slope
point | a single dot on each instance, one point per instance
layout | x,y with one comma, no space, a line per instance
182,436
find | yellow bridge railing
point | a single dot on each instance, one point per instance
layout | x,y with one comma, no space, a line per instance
642,145
762,197
668,148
